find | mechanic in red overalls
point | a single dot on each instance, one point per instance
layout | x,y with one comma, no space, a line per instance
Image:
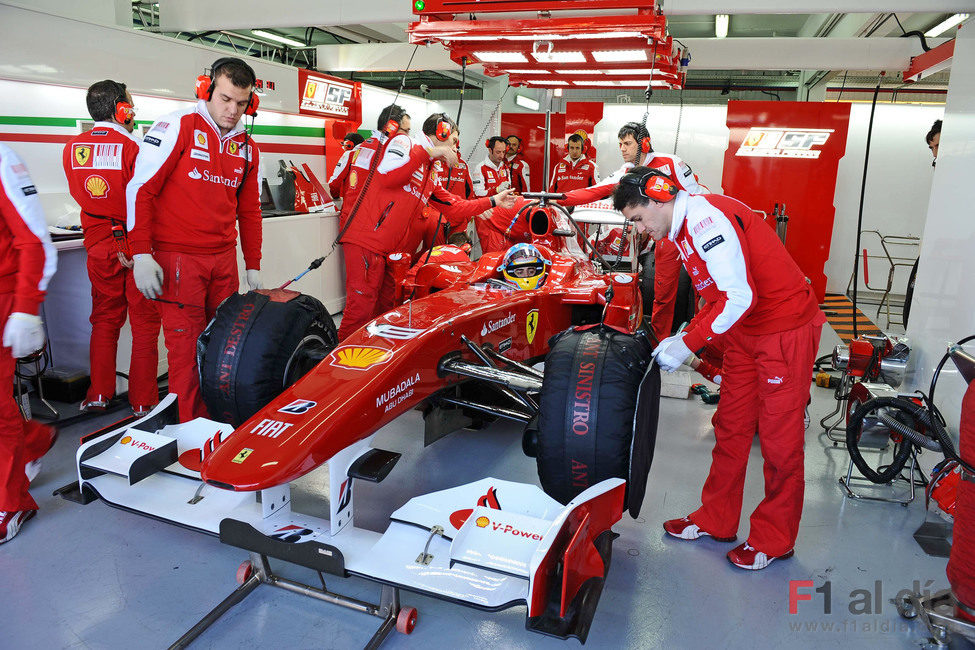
760,304
518,169
357,165
195,183
340,173
401,185
491,175
433,224
575,171
99,164
27,262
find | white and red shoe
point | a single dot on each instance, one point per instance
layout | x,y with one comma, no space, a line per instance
747,557
10,523
44,432
684,528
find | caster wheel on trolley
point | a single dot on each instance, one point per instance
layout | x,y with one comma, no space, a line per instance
244,572
406,620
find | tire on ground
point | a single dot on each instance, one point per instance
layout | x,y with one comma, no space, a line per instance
587,405
258,344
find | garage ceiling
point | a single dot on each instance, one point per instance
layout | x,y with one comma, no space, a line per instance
309,41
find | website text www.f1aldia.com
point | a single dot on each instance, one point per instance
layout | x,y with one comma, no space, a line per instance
851,626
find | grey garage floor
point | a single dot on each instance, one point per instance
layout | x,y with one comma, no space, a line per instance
97,577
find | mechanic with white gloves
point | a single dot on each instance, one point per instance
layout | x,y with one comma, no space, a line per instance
196,181
27,262
760,306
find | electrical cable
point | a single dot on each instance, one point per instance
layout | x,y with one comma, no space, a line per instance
463,84
863,190
649,91
843,85
488,123
680,115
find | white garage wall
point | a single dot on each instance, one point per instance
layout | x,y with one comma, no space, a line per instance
898,187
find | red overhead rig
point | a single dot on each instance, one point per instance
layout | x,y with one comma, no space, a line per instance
595,50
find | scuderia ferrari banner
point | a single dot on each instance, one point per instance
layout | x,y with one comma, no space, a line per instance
788,152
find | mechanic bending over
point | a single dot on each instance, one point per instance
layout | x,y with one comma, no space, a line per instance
99,164
195,183
760,306
402,184
27,262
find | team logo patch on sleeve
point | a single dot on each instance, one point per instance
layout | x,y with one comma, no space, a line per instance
151,140
28,190
711,243
199,154
97,156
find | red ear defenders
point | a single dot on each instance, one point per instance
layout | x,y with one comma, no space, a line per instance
124,112
653,184
443,130
204,85
348,145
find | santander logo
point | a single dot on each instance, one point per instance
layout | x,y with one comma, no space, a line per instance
195,175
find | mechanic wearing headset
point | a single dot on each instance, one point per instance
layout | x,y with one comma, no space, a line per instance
195,183
27,262
402,184
634,139
340,174
491,175
357,165
759,303
518,170
575,171
99,164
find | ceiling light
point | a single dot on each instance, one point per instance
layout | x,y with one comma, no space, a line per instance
619,56
575,72
945,25
527,102
500,57
721,25
531,71
570,37
558,92
275,37
546,82
559,57
596,83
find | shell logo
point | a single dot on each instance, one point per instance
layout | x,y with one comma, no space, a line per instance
201,139
96,186
482,522
126,440
359,357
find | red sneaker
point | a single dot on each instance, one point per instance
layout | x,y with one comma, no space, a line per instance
746,557
684,528
10,523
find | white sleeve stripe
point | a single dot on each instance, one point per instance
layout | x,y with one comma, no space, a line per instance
396,154
29,209
149,161
726,266
340,165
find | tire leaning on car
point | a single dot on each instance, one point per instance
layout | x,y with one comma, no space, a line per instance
258,344
598,413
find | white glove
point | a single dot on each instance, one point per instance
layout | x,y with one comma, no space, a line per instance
254,279
23,334
672,352
148,275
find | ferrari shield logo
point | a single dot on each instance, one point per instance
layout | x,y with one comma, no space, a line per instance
232,147
531,324
82,154
242,455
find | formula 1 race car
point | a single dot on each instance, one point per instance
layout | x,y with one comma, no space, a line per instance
463,346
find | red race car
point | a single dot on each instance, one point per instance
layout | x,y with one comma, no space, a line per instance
464,345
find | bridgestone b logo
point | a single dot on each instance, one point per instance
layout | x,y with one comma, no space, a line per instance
783,143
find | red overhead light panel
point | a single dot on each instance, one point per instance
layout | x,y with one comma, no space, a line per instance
537,48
